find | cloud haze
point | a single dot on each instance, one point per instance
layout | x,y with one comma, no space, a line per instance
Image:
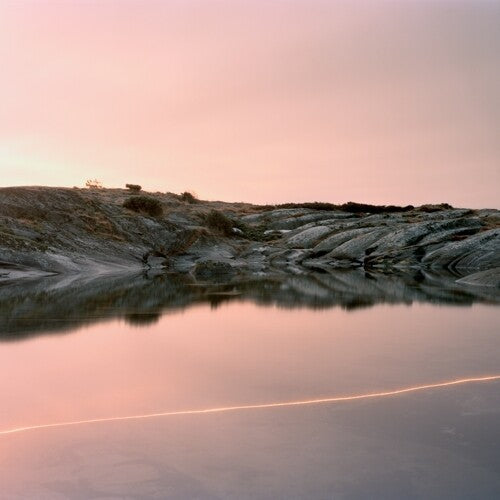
265,101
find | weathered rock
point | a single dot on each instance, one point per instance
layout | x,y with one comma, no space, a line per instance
335,240
155,260
479,251
297,222
73,231
308,238
356,248
269,216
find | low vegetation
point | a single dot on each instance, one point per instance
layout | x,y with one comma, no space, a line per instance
255,232
189,197
144,204
220,223
226,226
350,206
435,208
93,184
357,208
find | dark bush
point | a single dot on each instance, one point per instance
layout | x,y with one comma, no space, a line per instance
434,208
353,207
219,222
133,187
146,204
344,207
315,205
188,197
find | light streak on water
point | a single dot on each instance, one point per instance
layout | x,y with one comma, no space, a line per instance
222,409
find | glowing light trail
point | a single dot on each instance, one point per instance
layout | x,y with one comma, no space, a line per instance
222,409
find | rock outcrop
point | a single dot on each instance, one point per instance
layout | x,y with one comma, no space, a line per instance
72,232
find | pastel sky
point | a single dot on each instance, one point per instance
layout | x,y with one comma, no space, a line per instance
255,100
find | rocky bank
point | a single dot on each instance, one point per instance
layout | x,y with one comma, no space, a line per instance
77,233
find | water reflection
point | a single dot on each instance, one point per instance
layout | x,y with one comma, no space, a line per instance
59,304
131,359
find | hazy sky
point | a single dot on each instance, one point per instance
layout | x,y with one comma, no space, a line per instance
255,100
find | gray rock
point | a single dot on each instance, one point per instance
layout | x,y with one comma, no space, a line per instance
335,240
308,238
302,220
357,247
479,251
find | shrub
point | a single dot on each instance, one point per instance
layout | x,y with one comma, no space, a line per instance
429,208
189,197
146,204
354,207
219,222
133,187
315,205
350,206
93,184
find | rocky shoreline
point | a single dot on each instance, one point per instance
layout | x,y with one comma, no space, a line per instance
81,232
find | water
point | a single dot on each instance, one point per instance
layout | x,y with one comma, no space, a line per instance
84,351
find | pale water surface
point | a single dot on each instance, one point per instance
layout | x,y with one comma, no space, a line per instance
435,443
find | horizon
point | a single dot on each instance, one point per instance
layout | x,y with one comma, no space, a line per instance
387,103
203,200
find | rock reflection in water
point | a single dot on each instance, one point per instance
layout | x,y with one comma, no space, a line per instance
57,305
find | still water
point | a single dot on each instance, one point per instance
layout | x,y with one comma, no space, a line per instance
117,353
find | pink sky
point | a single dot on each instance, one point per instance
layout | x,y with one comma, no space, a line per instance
264,101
